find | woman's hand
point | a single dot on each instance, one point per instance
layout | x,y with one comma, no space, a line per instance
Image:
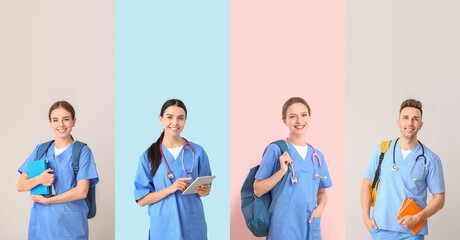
203,190
47,178
316,213
180,184
39,199
285,160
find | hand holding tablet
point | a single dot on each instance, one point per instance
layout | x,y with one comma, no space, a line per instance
198,182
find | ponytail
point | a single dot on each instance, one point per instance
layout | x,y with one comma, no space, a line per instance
154,154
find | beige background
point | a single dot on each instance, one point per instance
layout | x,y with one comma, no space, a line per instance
49,51
398,50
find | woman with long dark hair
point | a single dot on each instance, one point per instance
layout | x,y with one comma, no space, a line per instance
165,169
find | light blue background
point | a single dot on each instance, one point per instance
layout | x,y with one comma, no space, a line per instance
163,50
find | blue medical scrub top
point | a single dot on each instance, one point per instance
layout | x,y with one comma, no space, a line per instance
295,204
176,216
62,220
394,186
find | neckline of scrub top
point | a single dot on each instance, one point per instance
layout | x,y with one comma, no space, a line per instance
168,154
400,156
295,150
306,153
52,150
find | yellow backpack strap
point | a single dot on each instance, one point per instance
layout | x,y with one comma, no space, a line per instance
384,146
383,149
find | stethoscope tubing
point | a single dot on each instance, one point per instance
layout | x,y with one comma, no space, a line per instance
170,174
313,156
395,167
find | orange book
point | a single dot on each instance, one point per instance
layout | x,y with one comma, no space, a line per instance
409,207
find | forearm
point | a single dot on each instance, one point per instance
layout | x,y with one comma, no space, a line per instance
321,199
76,193
26,184
263,186
154,197
433,207
366,198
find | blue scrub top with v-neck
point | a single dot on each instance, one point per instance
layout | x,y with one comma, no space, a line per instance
394,186
295,204
177,216
62,220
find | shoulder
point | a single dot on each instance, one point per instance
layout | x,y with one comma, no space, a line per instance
197,148
273,148
430,155
320,154
84,147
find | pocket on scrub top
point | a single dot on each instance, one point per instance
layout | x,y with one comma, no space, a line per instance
416,187
315,229
74,225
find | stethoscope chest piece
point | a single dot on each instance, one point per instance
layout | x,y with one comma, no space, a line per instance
394,167
170,175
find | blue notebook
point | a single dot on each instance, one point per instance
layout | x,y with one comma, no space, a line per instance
35,169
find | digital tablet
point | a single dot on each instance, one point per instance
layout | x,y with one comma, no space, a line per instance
198,182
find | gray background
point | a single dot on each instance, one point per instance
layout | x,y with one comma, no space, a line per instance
49,51
397,50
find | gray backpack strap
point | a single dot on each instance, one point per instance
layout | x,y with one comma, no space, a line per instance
76,150
43,148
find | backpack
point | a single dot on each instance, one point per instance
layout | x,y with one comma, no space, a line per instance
76,150
383,149
257,211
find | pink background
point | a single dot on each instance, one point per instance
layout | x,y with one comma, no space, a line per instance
279,50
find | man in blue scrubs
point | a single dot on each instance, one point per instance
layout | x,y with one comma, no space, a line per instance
404,173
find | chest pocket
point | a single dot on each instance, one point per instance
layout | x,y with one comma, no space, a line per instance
416,178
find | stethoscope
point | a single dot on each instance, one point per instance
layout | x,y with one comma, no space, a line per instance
313,156
395,167
170,174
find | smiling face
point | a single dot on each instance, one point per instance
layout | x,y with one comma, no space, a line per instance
297,119
173,120
410,122
62,123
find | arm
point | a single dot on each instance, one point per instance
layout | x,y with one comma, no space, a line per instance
26,184
263,186
433,207
153,197
366,204
78,192
321,199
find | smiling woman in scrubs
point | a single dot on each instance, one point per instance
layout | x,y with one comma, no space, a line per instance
299,208
62,216
165,169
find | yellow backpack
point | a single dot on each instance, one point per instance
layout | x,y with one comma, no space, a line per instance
383,149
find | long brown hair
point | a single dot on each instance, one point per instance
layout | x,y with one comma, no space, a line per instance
65,105
153,153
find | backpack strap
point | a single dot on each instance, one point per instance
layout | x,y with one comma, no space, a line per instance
76,150
284,148
43,148
383,149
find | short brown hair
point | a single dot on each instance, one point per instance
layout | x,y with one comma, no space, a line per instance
291,101
411,103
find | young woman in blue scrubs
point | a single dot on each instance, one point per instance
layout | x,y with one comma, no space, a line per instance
165,169
298,210
62,216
